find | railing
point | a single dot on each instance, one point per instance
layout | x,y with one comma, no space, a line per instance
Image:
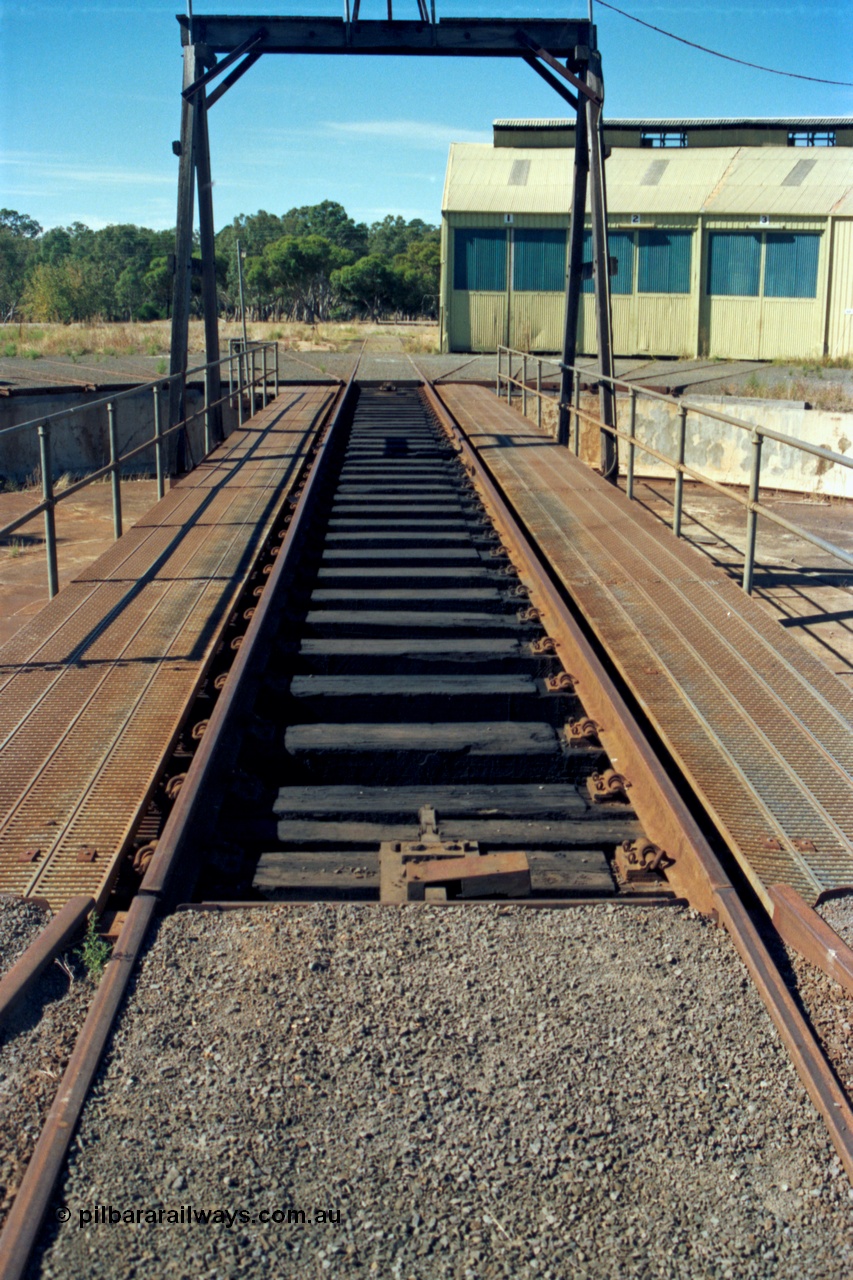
242,357
758,434
247,368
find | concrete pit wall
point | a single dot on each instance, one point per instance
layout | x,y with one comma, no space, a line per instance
724,453
80,442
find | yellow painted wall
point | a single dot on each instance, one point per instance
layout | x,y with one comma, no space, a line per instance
839,328
536,321
683,325
478,321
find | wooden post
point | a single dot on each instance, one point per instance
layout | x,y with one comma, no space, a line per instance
208,267
601,269
574,277
183,255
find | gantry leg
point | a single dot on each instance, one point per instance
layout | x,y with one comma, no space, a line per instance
601,268
183,253
574,279
208,266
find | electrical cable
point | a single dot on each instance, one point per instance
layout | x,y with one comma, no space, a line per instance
727,57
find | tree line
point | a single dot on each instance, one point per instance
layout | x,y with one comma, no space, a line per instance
314,263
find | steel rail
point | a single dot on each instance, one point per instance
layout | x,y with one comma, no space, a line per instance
697,873
37,1185
772,693
219,736
31,1203
38,955
46,864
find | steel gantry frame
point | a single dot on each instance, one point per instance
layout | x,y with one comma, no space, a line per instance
215,44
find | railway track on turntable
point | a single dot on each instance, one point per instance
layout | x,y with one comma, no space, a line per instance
403,707
415,733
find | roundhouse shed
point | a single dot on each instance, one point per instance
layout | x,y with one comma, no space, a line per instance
730,238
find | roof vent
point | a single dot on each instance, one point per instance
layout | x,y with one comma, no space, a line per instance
519,173
801,170
654,173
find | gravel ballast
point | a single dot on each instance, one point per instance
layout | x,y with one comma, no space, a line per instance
829,1006
477,1092
36,1041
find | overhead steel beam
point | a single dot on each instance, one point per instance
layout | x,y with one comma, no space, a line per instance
451,37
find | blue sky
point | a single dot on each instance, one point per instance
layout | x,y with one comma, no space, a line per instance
89,101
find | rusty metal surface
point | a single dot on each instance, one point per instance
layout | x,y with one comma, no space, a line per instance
30,1205
800,926
94,690
38,955
795,1033
213,746
759,726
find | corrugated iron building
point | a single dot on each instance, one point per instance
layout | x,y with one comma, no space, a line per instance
741,250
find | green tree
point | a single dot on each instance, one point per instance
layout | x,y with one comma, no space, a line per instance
298,271
61,292
330,220
393,235
18,235
19,224
120,256
254,231
418,271
370,285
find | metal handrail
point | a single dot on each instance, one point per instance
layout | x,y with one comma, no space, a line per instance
758,434
248,377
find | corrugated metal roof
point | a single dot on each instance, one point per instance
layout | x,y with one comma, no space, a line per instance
748,122
715,180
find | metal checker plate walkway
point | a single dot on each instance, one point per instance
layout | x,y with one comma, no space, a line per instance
760,727
94,690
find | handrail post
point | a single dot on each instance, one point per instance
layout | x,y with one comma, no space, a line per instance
539,393
679,474
751,514
158,445
524,386
498,375
240,361
577,424
632,430
276,369
115,476
264,375
509,376
208,444
49,511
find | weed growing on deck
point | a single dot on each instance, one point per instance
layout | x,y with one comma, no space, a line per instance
95,951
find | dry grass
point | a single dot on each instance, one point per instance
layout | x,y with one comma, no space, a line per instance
830,395
34,341
422,342
817,363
